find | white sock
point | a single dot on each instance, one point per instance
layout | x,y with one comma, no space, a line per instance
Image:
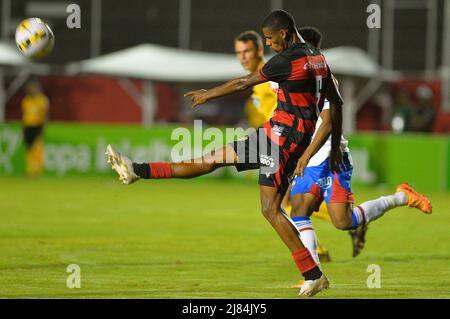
373,209
307,235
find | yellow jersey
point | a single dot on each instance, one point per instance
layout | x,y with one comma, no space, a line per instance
34,109
261,104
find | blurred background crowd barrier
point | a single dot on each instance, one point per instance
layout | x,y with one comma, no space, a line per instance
121,77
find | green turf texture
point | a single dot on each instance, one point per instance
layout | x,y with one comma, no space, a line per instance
198,239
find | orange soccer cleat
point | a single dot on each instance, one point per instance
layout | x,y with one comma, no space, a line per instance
414,199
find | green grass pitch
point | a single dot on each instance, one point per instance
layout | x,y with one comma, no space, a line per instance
198,239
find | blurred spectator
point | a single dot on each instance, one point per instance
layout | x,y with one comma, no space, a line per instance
383,99
34,112
403,107
423,114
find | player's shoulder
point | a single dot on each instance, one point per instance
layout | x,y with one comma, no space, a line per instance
300,50
275,64
279,58
286,57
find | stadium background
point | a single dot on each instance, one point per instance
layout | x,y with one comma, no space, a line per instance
91,109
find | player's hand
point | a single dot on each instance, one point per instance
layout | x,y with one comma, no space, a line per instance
335,161
301,164
197,97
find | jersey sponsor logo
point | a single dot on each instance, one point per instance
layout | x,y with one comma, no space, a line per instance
266,160
325,182
277,129
319,65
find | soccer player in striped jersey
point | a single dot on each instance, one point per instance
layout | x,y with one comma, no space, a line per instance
304,79
316,182
260,106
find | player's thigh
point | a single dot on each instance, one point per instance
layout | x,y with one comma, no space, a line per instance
339,197
246,151
303,204
341,214
305,194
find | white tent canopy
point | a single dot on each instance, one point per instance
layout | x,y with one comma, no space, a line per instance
351,61
10,55
154,62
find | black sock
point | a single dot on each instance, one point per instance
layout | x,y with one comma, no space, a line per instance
313,274
142,170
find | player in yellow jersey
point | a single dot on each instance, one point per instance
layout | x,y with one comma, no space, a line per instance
259,107
34,113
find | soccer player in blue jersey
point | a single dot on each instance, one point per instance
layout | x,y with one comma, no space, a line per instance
316,182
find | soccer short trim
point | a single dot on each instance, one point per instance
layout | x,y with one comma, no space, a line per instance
325,185
275,163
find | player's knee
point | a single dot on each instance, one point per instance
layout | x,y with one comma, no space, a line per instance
299,206
298,210
210,166
269,211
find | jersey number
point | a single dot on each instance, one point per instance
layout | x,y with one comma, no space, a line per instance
318,86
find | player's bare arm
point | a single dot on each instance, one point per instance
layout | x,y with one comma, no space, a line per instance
333,95
199,97
320,138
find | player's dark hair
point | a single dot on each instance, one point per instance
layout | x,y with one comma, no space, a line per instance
251,36
311,35
279,19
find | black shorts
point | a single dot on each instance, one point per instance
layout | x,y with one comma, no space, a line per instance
30,134
275,164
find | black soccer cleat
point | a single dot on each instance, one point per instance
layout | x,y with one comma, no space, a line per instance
358,237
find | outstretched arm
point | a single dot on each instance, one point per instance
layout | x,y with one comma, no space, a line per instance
240,84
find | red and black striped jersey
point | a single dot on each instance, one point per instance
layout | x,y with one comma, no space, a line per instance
302,73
